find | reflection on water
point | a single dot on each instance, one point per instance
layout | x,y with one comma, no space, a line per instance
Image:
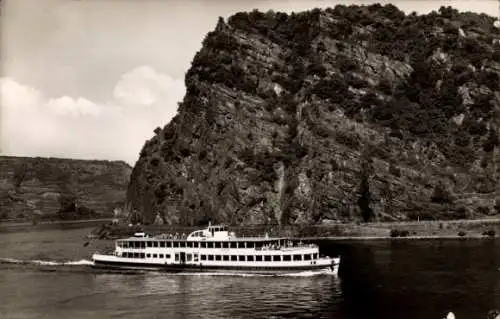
44,274
422,279
188,296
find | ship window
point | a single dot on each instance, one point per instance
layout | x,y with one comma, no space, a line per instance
217,245
162,244
167,256
155,255
225,257
196,245
287,257
267,258
250,245
148,255
182,244
168,244
250,258
258,245
176,257
234,245
210,245
195,257
155,244
258,258
307,257
150,244
241,258
218,257
175,244
189,257
125,255
240,245
234,258
276,258
210,257
315,256
161,256
225,245
203,257
189,244
297,257
142,255
203,245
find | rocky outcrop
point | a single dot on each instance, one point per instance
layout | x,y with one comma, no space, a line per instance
352,113
61,188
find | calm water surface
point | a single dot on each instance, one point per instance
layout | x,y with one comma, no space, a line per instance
46,274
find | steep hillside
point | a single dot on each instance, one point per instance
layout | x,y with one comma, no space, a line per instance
352,113
61,188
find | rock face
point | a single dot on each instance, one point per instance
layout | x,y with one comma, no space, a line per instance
352,113
61,188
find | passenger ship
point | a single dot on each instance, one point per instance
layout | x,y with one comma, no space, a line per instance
215,249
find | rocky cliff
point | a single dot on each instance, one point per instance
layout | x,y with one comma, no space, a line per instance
351,113
53,188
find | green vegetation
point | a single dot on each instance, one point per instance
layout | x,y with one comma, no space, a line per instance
311,92
417,107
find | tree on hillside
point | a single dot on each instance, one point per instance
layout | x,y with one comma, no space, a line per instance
364,192
441,194
20,172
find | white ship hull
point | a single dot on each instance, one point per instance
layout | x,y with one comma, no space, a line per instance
115,262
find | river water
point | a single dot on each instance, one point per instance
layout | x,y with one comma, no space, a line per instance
47,274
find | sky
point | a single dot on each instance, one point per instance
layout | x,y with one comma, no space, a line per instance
92,79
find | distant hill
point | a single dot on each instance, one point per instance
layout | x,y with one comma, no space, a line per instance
55,188
349,113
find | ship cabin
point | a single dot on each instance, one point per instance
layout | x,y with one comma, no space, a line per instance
216,232
212,237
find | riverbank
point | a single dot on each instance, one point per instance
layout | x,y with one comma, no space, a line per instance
449,229
478,228
19,226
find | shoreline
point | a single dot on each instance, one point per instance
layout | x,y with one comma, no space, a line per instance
488,228
18,226
385,238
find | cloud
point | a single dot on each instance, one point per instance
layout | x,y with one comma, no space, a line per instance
67,105
33,125
143,86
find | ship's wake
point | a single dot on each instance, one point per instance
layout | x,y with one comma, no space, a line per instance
82,262
85,265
